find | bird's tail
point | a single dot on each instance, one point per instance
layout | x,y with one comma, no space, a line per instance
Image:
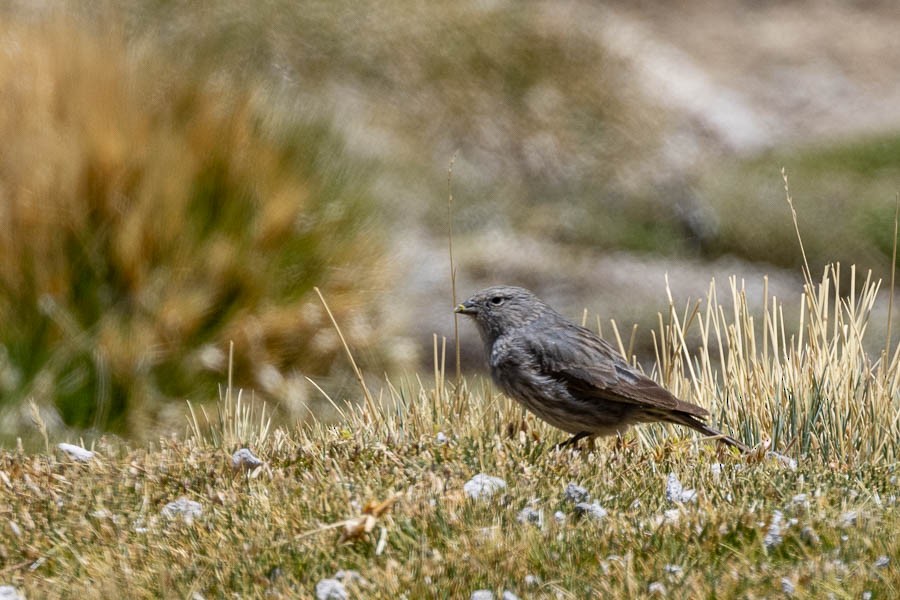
698,425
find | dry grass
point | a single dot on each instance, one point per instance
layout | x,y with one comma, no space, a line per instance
379,493
149,214
814,389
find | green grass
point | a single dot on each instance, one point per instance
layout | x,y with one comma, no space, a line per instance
379,494
79,524
846,193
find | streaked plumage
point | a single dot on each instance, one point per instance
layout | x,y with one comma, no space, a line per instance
566,374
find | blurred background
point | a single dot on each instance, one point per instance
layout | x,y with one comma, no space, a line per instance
176,174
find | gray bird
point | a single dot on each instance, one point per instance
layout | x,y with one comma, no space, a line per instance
568,375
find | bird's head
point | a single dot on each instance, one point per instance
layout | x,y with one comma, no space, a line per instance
499,309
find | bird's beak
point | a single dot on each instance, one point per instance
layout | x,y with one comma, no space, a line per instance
466,308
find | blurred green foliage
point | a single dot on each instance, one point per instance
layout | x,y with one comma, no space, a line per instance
150,214
844,192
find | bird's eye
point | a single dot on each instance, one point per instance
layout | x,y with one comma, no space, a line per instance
497,300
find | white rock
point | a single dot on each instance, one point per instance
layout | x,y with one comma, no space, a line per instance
786,461
676,493
8,592
508,595
482,595
351,576
560,516
331,589
672,515
773,534
482,486
245,460
184,508
849,518
575,493
787,586
673,569
882,562
530,516
441,438
592,510
76,453
809,535
656,589
139,526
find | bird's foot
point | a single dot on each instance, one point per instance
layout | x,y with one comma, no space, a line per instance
572,441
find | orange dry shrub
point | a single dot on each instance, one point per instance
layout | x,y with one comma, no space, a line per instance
150,215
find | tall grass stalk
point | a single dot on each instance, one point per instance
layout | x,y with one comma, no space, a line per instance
814,388
238,423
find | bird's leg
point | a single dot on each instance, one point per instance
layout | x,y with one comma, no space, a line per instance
572,440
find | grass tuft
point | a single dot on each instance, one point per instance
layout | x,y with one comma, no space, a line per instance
150,213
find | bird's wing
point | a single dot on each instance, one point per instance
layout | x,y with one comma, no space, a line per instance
591,368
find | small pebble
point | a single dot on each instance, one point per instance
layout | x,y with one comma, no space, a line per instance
76,453
592,510
787,586
867,596
139,526
483,486
716,469
676,493
351,576
440,438
8,592
482,595
773,534
799,499
882,562
786,461
575,493
848,519
186,509
331,589
530,516
508,595
673,569
672,515
245,460
656,588
532,580
809,535
560,516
